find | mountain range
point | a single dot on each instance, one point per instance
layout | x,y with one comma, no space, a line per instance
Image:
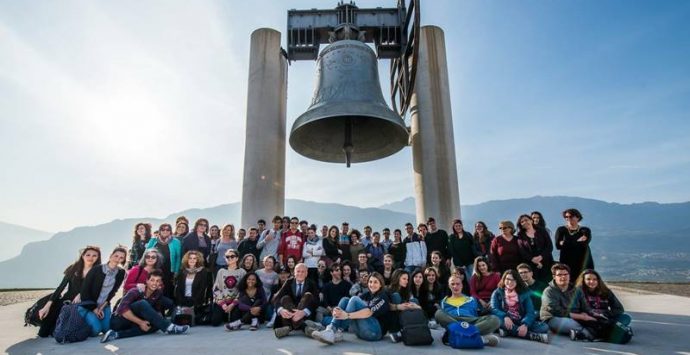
634,242
15,237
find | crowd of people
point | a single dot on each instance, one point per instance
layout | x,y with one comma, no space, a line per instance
293,276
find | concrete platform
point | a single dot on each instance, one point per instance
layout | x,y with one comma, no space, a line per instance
661,324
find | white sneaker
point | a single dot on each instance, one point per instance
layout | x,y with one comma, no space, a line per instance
328,336
433,324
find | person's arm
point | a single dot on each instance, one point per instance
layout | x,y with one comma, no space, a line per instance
559,238
616,305
262,239
528,308
141,323
474,286
497,304
132,275
363,313
494,258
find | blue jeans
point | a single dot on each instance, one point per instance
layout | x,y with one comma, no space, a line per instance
367,329
397,299
97,325
563,325
536,327
143,310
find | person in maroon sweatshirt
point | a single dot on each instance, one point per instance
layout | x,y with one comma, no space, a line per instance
291,242
505,253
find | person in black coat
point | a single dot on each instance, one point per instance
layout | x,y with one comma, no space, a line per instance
98,288
296,301
198,239
198,292
536,247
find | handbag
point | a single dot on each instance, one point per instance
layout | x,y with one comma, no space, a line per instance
183,315
31,314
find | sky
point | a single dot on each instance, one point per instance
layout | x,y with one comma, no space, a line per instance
117,109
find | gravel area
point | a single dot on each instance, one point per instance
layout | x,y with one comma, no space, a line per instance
12,297
677,289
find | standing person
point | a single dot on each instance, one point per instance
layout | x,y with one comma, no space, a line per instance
511,303
304,227
250,304
539,221
225,291
333,292
344,241
535,287
563,306
366,316
324,231
482,239
535,244
436,240
483,283
355,246
270,240
330,245
292,243
98,288
387,239
505,252
142,234
241,233
604,305
260,226
139,312
73,278
296,302
181,231
573,242
397,250
458,307
198,239
250,244
137,276
226,242
375,252
461,247
193,283
214,234
367,238
312,252
415,255
170,250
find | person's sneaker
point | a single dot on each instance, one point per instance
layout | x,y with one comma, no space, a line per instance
502,333
328,335
255,324
177,329
108,336
282,331
236,325
540,337
269,324
490,340
395,337
575,335
433,324
311,327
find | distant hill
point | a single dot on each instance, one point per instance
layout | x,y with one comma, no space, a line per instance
635,242
14,237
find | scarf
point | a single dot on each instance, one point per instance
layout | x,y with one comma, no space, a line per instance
194,270
511,297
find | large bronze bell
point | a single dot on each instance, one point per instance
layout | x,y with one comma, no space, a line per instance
348,120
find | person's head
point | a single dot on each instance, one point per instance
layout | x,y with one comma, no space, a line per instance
154,280
418,277
400,280
376,237
591,283
192,259
214,232
397,235
506,227
283,274
538,219
386,233
324,230
431,224
118,256
388,261
455,285
165,230
436,257
321,266
250,281
261,224
525,272
336,272
354,236
142,231
181,219
311,233
249,262
363,277
152,258
431,275
333,233
300,272
181,229
291,263
362,257
286,223
409,228
510,280
241,233
269,262
524,222
228,231
561,274
367,230
303,226
231,256
422,229
277,222
345,227
481,267
376,282
346,271
480,228
572,216
253,233
200,226
88,257
458,271
294,224
457,227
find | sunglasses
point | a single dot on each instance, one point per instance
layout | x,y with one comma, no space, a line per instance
231,256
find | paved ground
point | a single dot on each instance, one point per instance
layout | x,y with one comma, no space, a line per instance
661,324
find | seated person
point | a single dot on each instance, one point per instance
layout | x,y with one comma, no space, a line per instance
604,305
359,288
250,303
98,288
534,286
193,283
295,302
402,299
458,307
483,283
332,293
563,306
139,312
225,292
512,304
366,316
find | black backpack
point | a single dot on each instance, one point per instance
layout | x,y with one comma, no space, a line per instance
31,315
415,328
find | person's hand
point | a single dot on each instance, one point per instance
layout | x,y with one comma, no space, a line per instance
508,323
98,312
141,287
522,331
145,326
44,311
298,315
255,311
484,303
582,238
286,314
536,259
77,298
339,314
230,307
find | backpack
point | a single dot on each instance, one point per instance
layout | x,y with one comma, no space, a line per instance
415,328
183,316
71,327
619,333
31,315
463,335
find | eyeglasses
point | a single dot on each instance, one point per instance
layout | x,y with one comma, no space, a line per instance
231,256
151,257
561,275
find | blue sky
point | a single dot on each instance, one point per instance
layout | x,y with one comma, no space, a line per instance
134,109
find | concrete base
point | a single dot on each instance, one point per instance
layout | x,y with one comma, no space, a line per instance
660,322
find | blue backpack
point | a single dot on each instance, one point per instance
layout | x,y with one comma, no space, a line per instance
463,335
71,326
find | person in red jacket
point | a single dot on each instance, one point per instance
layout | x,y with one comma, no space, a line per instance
291,242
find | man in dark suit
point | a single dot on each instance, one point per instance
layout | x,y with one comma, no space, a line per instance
296,302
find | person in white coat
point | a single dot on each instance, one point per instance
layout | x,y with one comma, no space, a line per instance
312,253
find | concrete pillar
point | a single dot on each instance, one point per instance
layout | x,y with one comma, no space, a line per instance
263,187
431,138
